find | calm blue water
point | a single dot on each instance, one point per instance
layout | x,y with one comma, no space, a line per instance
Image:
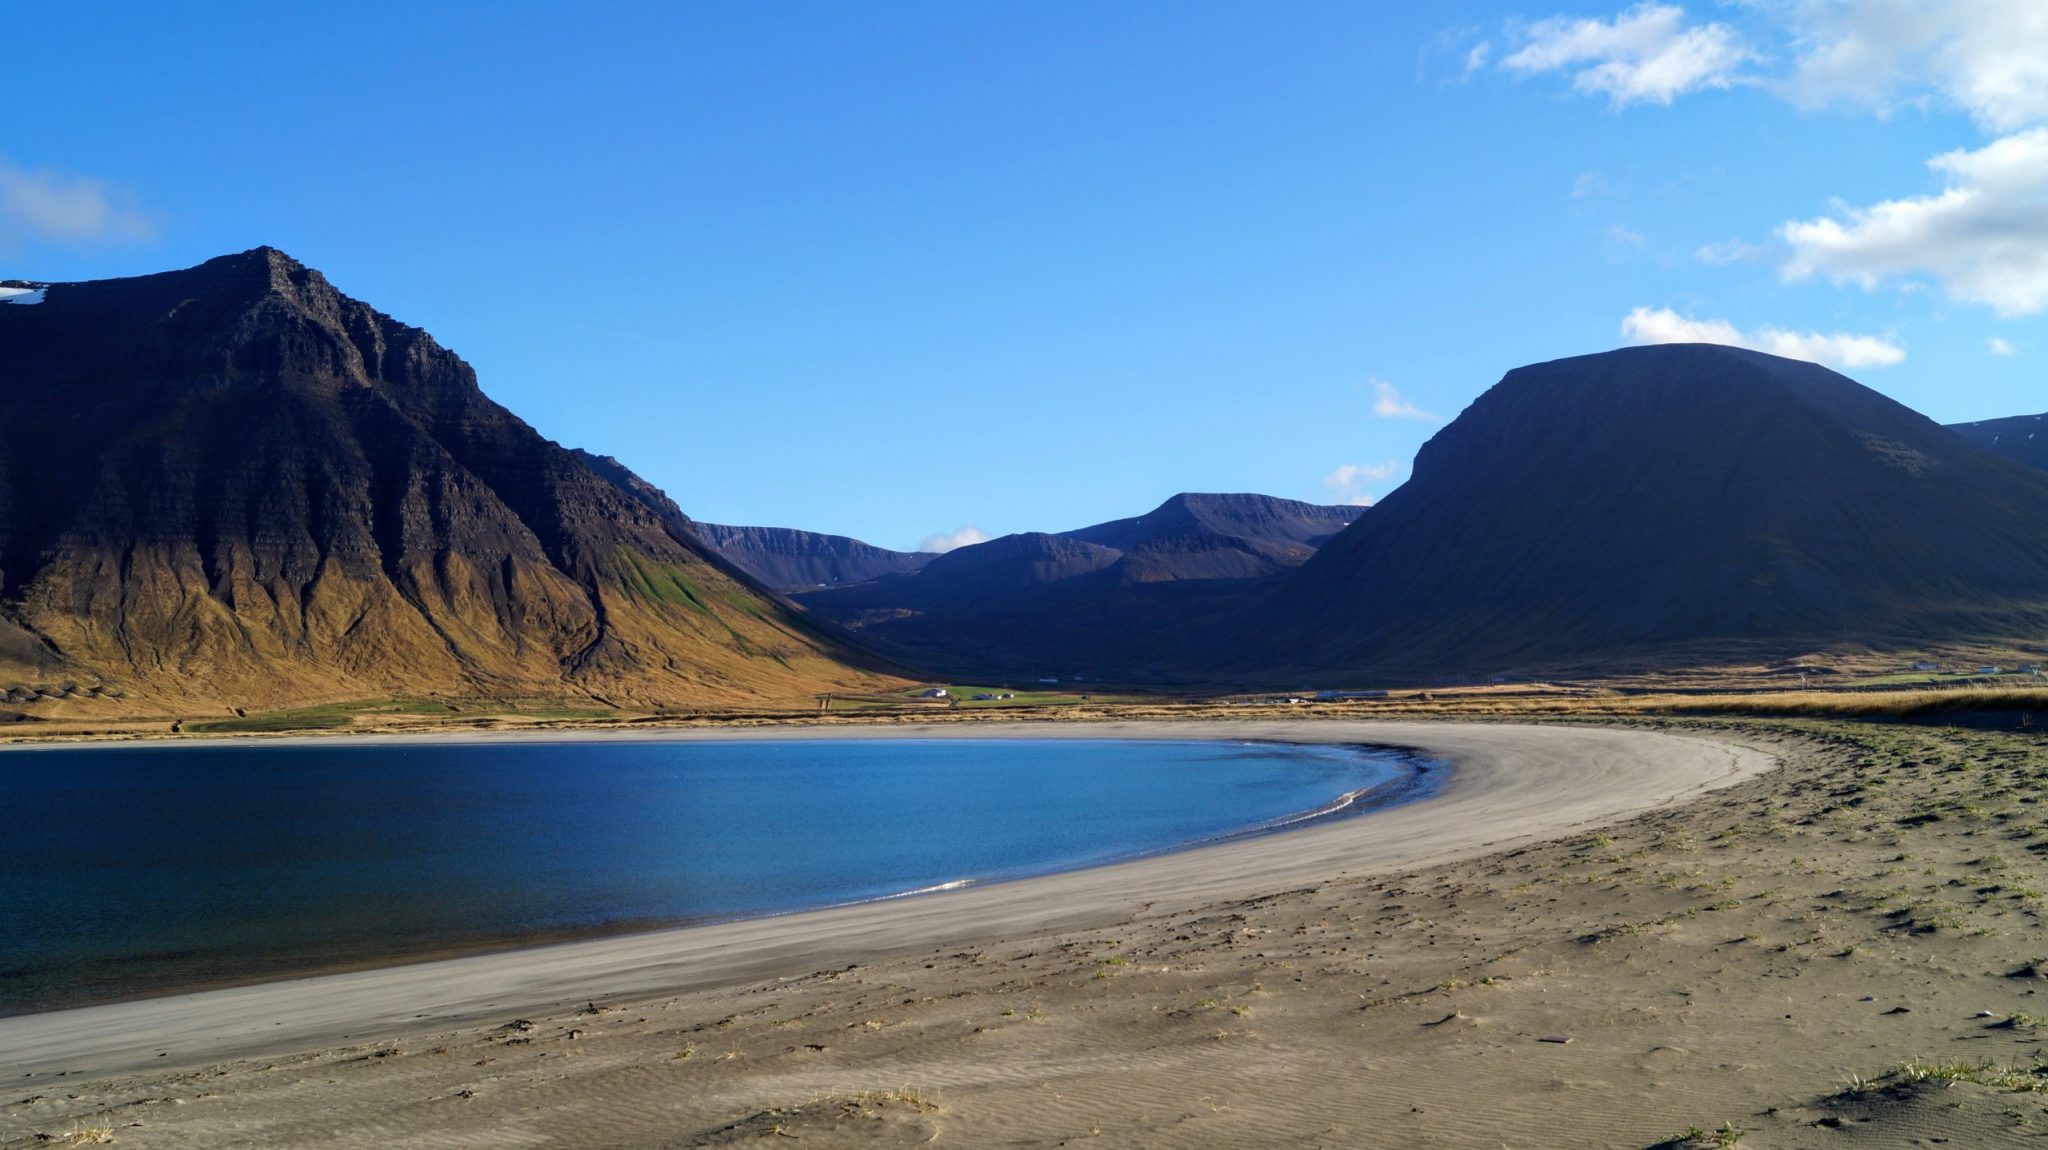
128,871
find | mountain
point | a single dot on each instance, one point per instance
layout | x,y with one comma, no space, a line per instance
233,484
1288,526
1667,506
790,560
1206,536
1118,600
2022,438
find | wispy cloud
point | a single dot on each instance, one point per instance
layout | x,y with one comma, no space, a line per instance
1347,483
1388,403
1587,185
1662,325
1477,57
1988,58
1731,252
1646,54
953,540
1981,236
1997,346
47,206
1621,235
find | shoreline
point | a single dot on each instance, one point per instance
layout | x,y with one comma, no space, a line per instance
1509,784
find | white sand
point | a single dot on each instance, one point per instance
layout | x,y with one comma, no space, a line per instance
1511,784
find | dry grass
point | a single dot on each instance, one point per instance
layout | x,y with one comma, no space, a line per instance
97,1132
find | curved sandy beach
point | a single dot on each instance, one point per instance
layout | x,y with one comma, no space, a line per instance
1510,784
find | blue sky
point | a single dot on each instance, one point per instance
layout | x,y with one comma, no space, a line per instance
898,270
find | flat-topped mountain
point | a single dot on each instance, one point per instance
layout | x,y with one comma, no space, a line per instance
2021,438
1660,506
234,484
790,560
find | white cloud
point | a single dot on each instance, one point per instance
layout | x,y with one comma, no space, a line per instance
1662,325
1984,237
1997,346
1387,403
1986,57
44,205
1476,58
1347,483
1645,54
953,540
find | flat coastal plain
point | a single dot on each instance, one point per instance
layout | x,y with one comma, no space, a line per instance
1760,933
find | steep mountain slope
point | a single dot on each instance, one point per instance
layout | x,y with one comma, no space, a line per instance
1663,505
790,560
234,484
2021,438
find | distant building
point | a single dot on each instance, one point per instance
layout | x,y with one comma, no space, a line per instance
1327,696
1991,670
1927,666
934,693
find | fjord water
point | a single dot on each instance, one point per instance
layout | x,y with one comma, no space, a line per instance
139,870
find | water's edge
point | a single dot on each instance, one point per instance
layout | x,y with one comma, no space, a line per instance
1416,776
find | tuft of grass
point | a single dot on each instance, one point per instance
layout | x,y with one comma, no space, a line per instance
1984,1073
909,1096
97,1132
1694,1138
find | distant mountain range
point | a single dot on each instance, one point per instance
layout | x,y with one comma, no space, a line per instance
1187,537
234,484
1113,600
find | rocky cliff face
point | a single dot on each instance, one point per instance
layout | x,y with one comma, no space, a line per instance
234,483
